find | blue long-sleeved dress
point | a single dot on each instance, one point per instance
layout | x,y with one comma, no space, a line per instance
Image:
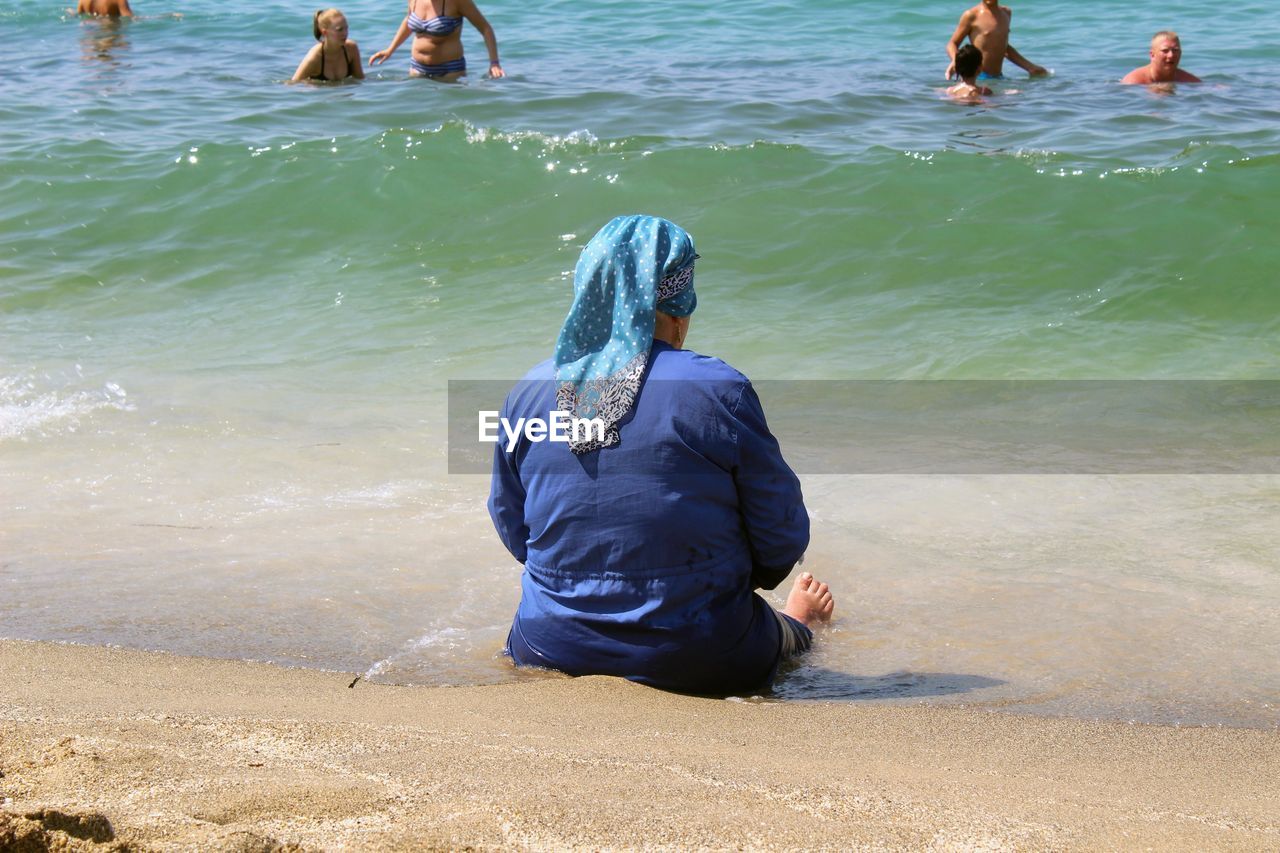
640,559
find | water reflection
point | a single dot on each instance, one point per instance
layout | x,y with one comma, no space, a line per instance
103,41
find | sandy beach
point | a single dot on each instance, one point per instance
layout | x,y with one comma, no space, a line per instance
110,749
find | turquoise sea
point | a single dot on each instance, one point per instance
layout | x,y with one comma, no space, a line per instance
230,309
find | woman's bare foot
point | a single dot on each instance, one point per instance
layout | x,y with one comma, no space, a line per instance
809,601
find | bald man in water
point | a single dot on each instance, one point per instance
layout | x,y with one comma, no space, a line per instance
1166,53
107,8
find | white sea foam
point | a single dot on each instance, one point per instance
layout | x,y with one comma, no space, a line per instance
29,411
440,639
549,141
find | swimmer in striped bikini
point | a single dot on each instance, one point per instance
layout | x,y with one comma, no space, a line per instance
436,26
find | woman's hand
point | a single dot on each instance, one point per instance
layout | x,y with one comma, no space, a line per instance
402,33
495,70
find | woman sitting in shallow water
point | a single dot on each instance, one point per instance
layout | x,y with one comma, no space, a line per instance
335,57
642,545
437,44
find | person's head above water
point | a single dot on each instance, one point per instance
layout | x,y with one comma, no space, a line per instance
968,62
328,20
634,268
1166,50
1166,54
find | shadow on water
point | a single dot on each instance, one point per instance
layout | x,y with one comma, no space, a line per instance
798,682
811,682
977,140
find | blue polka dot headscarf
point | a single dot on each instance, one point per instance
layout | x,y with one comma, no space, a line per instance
633,267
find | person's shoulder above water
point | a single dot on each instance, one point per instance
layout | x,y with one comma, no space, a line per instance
108,8
1143,76
967,92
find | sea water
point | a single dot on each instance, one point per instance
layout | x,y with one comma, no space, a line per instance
230,310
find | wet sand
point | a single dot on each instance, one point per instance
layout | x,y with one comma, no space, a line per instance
103,748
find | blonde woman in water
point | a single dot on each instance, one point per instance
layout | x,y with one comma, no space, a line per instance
436,26
335,57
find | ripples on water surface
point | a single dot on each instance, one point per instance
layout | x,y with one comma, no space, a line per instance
228,309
